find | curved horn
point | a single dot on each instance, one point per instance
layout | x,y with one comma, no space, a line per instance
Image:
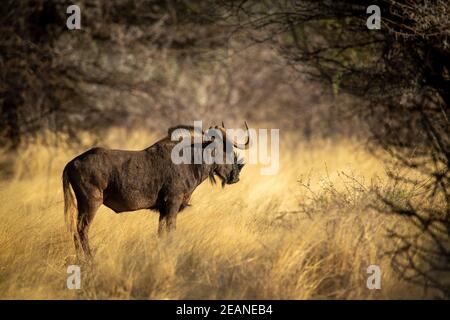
246,145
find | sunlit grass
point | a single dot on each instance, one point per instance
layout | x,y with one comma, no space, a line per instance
248,240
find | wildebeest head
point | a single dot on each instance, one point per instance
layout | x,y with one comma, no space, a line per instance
230,166
229,172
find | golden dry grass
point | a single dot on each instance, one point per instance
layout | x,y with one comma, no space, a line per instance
233,243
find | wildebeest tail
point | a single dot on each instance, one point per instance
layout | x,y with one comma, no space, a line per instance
69,202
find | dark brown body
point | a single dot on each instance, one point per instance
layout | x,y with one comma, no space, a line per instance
133,180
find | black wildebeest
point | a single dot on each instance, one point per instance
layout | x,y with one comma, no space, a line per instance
132,180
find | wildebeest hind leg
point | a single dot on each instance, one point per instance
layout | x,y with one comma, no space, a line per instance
86,214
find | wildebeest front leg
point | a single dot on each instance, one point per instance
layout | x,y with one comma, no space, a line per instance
172,221
162,224
168,214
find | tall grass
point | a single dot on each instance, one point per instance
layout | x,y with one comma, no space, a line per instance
304,233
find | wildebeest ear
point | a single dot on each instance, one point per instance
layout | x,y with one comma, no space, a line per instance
240,166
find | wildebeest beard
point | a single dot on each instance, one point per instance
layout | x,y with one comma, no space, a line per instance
232,177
